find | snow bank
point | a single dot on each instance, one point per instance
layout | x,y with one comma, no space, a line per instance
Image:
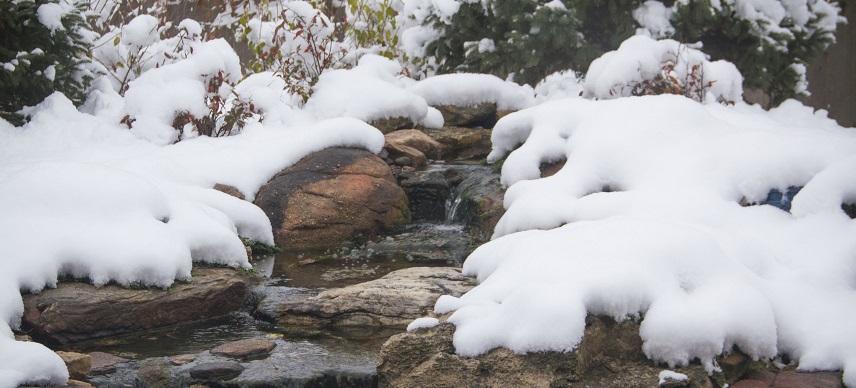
374,89
667,241
83,196
474,89
641,59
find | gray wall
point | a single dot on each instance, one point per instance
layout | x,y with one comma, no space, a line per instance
832,75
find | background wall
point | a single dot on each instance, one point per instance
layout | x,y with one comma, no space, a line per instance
832,76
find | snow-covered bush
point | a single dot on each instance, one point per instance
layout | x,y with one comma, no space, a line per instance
373,28
298,43
644,66
770,41
188,98
127,51
44,49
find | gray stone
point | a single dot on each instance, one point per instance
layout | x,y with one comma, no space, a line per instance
217,371
75,312
393,300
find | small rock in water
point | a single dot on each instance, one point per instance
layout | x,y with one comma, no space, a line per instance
182,359
221,371
245,348
104,363
155,373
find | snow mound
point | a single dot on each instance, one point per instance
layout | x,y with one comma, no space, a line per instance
643,221
474,89
641,59
372,90
423,323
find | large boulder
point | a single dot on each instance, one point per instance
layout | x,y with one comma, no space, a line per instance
333,196
393,300
610,355
75,312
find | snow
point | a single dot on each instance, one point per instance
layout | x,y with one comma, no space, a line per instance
668,243
641,58
655,19
141,31
667,375
423,323
473,89
50,14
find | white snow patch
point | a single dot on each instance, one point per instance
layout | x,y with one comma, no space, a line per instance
667,375
423,323
474,89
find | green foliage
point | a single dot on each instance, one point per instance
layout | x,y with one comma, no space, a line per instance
373,24
531,40
260,248
35,61
764,59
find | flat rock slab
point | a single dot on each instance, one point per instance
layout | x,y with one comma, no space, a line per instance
75,312
218,371
103,363
249,348
393,300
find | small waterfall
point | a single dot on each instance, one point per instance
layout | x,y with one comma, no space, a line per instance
452,205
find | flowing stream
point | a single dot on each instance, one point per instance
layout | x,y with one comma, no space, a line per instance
304,356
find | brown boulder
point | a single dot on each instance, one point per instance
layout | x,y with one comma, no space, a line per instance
413,139
75,312
793,379
333,196
462,143
390,124
78,364
610,355
393,300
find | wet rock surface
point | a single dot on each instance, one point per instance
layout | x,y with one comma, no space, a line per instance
393,300
248,348
218,371
609,356
104,363
79,365
333,196
428,193
75,312
480,115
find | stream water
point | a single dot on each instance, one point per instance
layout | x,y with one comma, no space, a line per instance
304,356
